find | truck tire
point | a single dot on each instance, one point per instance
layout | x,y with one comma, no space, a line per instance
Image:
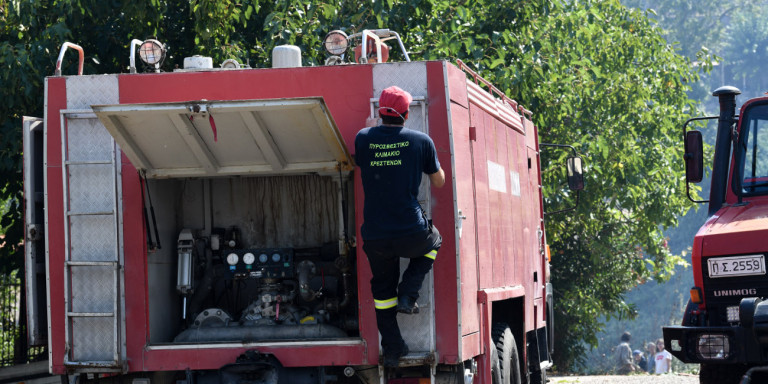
506,349
721,373
495,369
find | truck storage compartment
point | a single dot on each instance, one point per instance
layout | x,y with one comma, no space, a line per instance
251,259
248,207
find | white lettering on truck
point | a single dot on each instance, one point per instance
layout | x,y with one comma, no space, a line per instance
735,292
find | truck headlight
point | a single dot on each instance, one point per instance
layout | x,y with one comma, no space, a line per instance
732,313
712,346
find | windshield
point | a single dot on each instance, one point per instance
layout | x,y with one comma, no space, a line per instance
754,150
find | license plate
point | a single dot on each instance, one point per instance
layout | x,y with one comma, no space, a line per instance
736,266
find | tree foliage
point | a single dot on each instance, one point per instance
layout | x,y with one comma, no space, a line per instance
596,74
731,31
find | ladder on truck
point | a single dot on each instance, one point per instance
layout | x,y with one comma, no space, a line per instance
93,263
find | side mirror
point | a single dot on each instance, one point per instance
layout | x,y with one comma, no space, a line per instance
694,157
575,174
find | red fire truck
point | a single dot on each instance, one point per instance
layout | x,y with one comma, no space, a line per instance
202,225
725,325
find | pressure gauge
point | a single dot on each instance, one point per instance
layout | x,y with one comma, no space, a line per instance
275,257
249,258
263,258
232,259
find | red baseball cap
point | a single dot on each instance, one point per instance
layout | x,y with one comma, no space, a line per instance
394,102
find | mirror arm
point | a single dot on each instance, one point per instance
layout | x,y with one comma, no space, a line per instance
575,205
573,150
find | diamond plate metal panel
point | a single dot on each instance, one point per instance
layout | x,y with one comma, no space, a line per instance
411,77
92,238
88,140
93,339
417,330
93,289
84,91
91,188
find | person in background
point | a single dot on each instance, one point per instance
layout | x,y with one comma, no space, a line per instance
651,349
640,360
663,358
624,364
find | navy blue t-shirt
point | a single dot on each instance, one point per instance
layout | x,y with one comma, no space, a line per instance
392,161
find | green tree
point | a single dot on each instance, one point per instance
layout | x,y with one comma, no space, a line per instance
692,24
731,30
746,50
596,74
602,76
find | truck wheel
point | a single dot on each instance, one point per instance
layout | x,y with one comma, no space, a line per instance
506,349
721,373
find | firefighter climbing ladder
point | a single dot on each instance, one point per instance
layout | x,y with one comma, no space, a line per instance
92,268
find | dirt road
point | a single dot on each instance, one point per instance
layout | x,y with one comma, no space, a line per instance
630,379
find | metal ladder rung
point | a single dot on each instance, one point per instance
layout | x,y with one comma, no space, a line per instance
91,263
91,162
90,314
101,213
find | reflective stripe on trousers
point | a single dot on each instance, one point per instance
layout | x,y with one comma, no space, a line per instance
385,304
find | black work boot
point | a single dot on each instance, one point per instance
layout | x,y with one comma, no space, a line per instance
392,360
407,305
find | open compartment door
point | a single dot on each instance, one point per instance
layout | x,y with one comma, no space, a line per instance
34,238
222,138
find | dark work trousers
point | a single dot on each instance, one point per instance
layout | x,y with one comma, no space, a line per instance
384,257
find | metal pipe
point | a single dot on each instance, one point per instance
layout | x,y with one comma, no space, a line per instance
132,63
402,47
727,96
347,291
61,57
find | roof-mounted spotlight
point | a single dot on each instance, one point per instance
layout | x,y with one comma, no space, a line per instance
152,52
336,42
